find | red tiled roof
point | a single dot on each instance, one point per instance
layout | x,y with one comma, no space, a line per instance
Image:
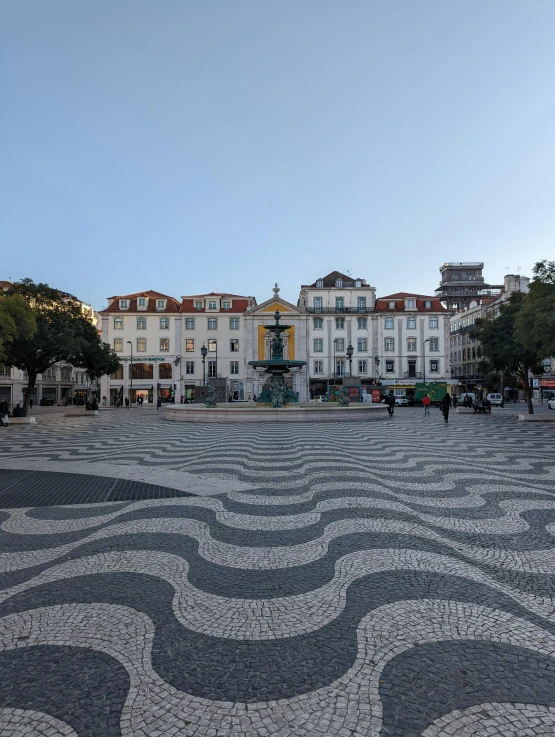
382,303
5,284
172,305
238,304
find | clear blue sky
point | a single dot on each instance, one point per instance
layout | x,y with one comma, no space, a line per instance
225,145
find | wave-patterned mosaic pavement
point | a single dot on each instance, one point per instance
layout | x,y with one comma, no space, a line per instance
387,581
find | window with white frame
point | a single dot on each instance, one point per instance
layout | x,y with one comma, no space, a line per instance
124,304
212,369
320,284
189,323
339,344
212,304
427,304
318,345
318,367
411,323
362,366
317,304
118,345
390,367
141,303
391,305
411,344
358,283
361,304
164,345
362,323
339,283
339,303
234,345
339,323
434,366
118,323
389,344
190,345
212,323
198,305
226,305
141,323
141,345
411,304
340,367
234,323
189,367
160,304
362,345
433,323
318,323
164,323
234,367
434,344
389,323
212,346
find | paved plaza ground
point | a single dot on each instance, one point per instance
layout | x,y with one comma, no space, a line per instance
380,579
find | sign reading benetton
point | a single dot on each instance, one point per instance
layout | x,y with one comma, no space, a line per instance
142,360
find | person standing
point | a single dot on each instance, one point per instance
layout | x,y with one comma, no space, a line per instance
4,410
455,402
390,401
426,401
445,405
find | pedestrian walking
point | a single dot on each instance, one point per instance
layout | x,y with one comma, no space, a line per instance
4,413
126,402
390,401
455,402
103,401
426,401
445,405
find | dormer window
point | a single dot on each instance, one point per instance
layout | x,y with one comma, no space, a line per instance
411,304
141,303
391,305
160,304
358,283
124,304
339,283
428,304
212,304
227,305
198,305
320,284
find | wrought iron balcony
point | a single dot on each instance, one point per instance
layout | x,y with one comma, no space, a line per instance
340,310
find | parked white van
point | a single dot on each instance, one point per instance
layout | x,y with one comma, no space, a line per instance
495,398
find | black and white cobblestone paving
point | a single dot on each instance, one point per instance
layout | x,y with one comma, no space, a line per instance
391,579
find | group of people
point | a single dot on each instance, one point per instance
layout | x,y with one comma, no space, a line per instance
445,404
5,412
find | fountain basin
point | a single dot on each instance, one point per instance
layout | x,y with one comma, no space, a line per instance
304,412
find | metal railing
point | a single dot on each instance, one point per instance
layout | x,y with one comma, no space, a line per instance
340,310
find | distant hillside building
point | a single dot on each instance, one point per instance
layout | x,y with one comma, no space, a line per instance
462,282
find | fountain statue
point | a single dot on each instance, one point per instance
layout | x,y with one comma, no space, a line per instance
275,390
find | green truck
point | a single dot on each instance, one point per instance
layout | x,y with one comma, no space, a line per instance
436,390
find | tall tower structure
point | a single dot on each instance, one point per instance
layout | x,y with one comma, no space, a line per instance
462,281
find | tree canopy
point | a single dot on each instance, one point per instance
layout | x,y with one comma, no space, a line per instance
16,321
535,323
500,347
62,333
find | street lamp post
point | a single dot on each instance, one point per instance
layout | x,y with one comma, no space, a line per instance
334,363
131,372
204,351
424,358
350,351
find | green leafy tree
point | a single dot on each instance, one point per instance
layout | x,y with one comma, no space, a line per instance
502,350
16,321
62,334
535,324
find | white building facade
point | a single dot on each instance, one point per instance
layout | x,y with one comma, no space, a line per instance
339,322
143,329
216,323
412,340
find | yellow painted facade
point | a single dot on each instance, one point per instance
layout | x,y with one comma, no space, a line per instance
290,342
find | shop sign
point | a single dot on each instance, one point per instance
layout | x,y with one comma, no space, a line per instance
144,360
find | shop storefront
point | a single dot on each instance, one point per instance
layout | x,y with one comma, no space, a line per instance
145,392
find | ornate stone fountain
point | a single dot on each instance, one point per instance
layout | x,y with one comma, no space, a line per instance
275,391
